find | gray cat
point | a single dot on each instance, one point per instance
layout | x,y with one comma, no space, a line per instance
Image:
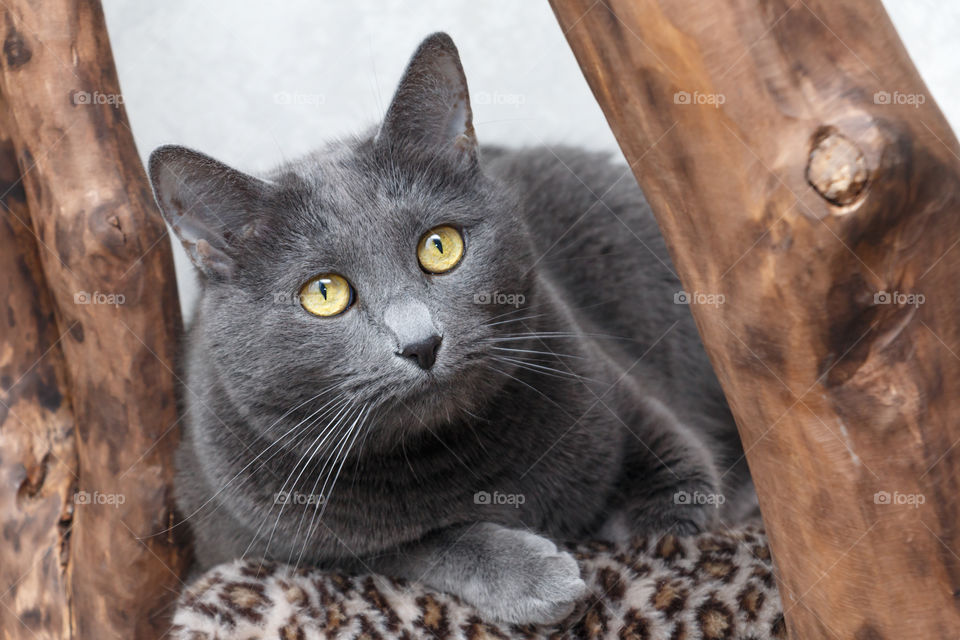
416,357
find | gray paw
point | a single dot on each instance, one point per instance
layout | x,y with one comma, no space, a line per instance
527,581
681,516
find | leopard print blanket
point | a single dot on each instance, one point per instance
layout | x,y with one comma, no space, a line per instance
712,586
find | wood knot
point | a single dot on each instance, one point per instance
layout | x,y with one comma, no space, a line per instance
15,49
837,168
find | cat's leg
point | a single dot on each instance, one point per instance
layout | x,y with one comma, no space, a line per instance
669,481
508,574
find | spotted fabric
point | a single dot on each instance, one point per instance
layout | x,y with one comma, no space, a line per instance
712,586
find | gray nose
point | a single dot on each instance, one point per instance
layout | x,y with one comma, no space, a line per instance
423,351
417,337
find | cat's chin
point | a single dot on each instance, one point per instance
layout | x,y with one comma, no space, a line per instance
435,400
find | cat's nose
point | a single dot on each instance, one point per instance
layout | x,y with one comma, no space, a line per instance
423,351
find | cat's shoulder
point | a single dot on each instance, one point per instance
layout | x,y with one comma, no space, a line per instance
558,183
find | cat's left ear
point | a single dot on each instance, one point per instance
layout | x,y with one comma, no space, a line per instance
212,208
431,107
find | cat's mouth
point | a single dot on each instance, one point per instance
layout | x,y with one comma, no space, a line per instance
440,394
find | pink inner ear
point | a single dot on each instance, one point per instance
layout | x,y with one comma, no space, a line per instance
459,126
431,106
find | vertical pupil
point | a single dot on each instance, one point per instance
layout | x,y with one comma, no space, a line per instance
437,243
323,290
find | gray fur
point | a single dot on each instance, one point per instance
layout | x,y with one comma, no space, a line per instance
606,408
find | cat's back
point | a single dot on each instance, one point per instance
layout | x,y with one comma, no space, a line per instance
595,237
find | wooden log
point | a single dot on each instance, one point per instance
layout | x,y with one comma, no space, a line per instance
799,168
108,264
38,456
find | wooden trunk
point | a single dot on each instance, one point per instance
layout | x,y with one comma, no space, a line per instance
38,456
800,169
111,568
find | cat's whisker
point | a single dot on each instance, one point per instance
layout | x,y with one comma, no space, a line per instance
290,495
508,321
534,351
266,517
529,386
311,452
366,433
343,433
470,425
473,415
558,334
548,371
512,337
512,311
304,430
247,466
546,303
323,496
359,424
303,426
355,429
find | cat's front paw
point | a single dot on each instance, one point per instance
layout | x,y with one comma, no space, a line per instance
529,582
686,514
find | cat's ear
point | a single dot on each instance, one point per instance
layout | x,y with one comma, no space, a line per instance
431,107
210,206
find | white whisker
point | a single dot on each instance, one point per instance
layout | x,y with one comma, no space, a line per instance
534,351
539,368
312,450
274,443
508,321
342,433
355,429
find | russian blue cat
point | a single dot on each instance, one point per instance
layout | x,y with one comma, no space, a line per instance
420,357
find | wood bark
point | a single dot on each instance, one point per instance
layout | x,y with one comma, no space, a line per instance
800,169
109,269
38,457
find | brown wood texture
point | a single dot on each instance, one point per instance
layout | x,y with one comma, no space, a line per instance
38,456
799,168
109,268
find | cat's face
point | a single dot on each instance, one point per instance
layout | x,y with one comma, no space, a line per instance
360,275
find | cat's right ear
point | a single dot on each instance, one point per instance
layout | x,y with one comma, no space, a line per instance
210,206
431,108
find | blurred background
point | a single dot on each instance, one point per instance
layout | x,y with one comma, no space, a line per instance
252,84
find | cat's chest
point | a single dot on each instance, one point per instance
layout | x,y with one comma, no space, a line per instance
517,481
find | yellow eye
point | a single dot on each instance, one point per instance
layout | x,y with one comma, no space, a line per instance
326,295
440,249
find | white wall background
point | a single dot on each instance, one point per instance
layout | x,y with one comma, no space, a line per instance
251,82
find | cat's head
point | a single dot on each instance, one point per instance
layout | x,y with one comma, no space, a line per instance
362,274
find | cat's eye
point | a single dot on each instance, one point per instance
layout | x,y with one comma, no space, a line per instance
326,295
440,249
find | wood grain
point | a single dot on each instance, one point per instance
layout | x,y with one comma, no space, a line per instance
799,167
38,457
109,269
